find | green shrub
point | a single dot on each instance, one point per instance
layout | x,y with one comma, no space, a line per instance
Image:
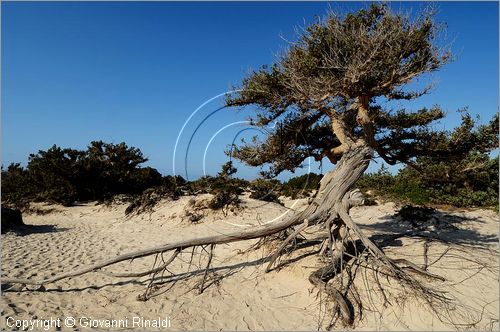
466,183
466,198
223,199
265,190
470,182
12,220
17,189
381,182
301,186
223,187
68,175
410,190
146,201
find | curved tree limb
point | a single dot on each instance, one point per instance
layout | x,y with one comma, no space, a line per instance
179,245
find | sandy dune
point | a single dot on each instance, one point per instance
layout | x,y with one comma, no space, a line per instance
240,296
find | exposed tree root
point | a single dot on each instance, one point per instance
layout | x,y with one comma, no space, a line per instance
210,256
345,248
180,245
290,238
145,273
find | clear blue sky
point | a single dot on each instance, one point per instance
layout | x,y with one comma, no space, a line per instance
80,71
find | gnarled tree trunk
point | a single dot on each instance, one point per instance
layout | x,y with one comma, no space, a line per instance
330,207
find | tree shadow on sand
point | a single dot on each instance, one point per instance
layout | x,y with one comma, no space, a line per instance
217,274
442,226
36,229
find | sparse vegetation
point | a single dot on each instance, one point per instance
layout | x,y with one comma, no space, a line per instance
67,175
225,189
266,190
301,186
472,182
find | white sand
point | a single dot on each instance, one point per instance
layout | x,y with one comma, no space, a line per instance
244,297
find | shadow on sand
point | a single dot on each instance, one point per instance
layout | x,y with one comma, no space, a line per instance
217,274
441,226
36,229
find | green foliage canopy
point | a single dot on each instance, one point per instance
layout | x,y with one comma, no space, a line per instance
326,90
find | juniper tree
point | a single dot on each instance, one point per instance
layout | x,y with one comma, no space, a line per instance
328,91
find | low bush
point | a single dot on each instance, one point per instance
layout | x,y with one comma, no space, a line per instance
17,189
472,182
265,190
146,201
409,190
224,188
104,170
301,186
222,199
380,181
64,175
